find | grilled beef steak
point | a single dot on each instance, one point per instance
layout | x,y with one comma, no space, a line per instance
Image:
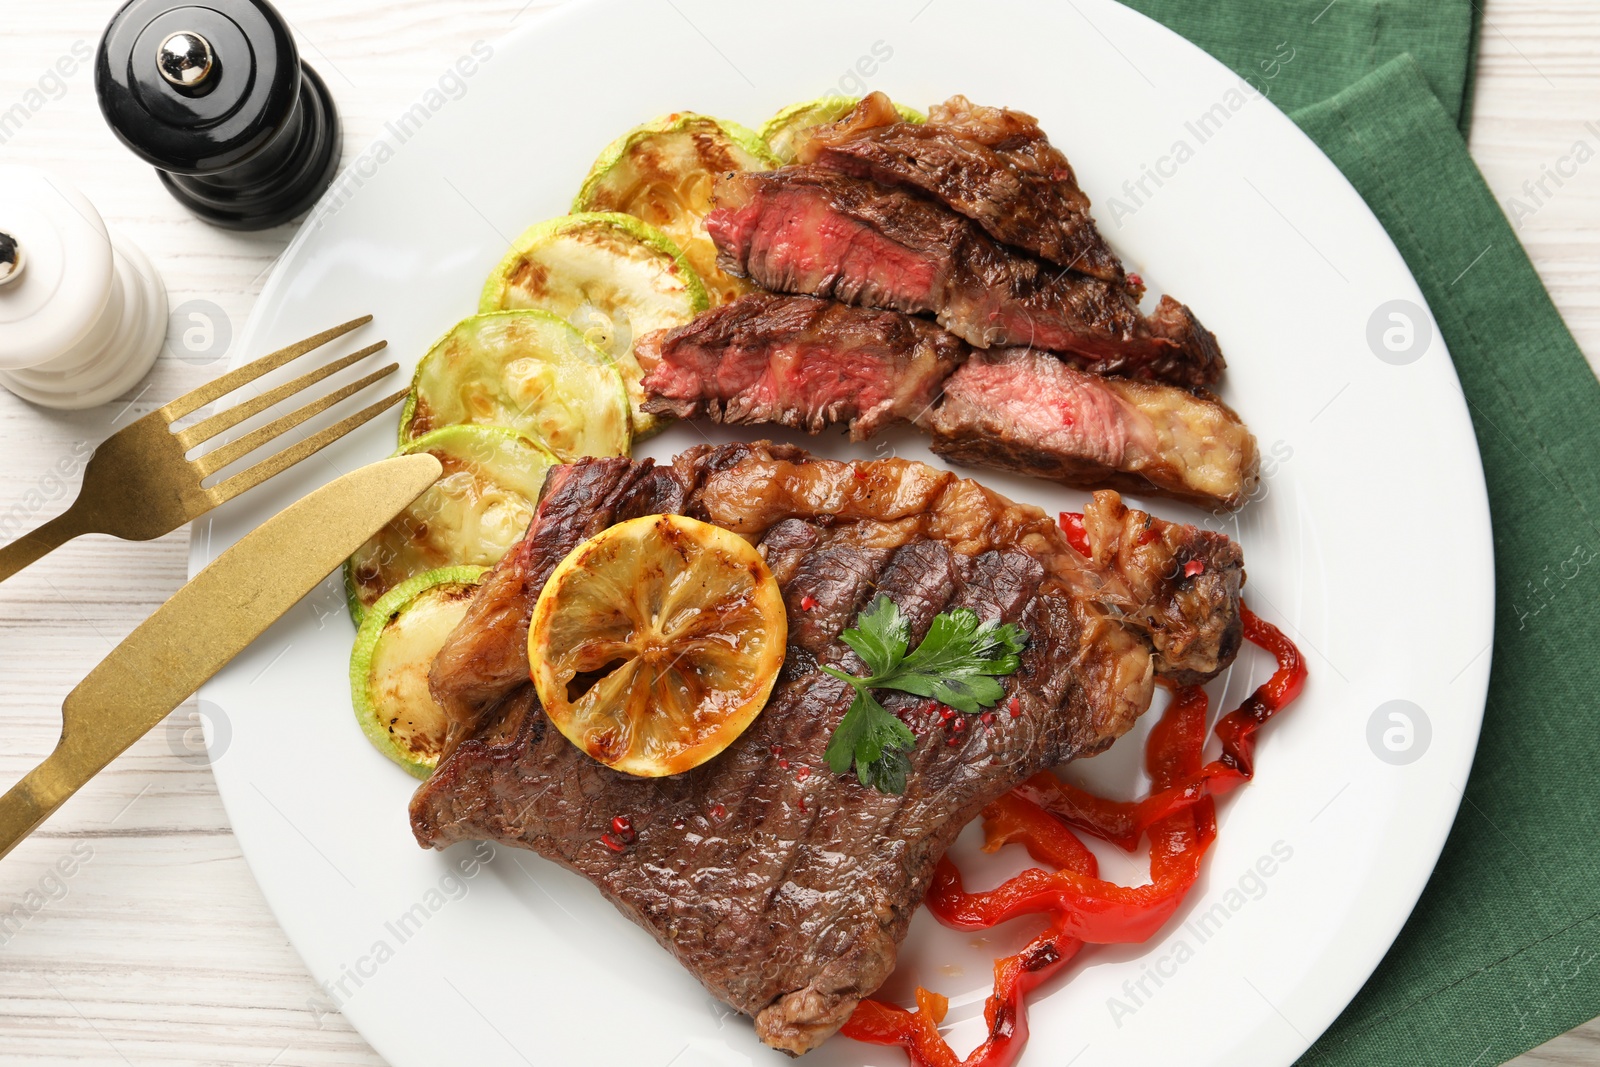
993,165
799,361
810,230
786,889
808,363
1021,410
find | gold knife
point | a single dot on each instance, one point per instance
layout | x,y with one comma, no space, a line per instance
205,624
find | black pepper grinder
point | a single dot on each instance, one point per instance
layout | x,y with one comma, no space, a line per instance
214,96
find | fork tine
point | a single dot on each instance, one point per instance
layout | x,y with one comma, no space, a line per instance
218,458
251,477
195,399
206,429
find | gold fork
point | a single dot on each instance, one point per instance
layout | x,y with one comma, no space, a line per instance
139,484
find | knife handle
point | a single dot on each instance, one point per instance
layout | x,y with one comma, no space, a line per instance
35,798
40,542
207,623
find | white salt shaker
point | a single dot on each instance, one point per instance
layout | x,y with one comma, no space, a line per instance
83,314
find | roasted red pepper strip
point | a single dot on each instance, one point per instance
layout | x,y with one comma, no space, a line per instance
917,1031
1077,536
1048,840
1084,906
1124,822
1087,907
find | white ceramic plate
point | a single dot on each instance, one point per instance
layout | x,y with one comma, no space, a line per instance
1370,545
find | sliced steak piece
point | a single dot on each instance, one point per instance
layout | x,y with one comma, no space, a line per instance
808,363
809,230
783,888
799,361
993,165
1021,410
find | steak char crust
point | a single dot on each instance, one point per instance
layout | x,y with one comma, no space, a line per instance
787,891
993,165
808,229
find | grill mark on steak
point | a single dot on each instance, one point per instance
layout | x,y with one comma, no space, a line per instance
1136,572
993,165
808,230
808,363
788,897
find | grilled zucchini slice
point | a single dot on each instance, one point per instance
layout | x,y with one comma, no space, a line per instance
662,172
781,131
472,515
613,276
527,371
389,665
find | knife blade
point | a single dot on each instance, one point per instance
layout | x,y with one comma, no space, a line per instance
207,623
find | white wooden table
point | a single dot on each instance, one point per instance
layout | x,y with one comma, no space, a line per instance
158,948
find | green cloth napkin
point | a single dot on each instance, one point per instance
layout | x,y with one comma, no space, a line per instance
1503,950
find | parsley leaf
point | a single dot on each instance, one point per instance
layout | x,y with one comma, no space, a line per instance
957,661
880,636
864,736
956,664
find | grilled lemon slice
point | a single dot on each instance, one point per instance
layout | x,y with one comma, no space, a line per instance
389,665
781,131
662,172
472,515
526,371
656,642
612,276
